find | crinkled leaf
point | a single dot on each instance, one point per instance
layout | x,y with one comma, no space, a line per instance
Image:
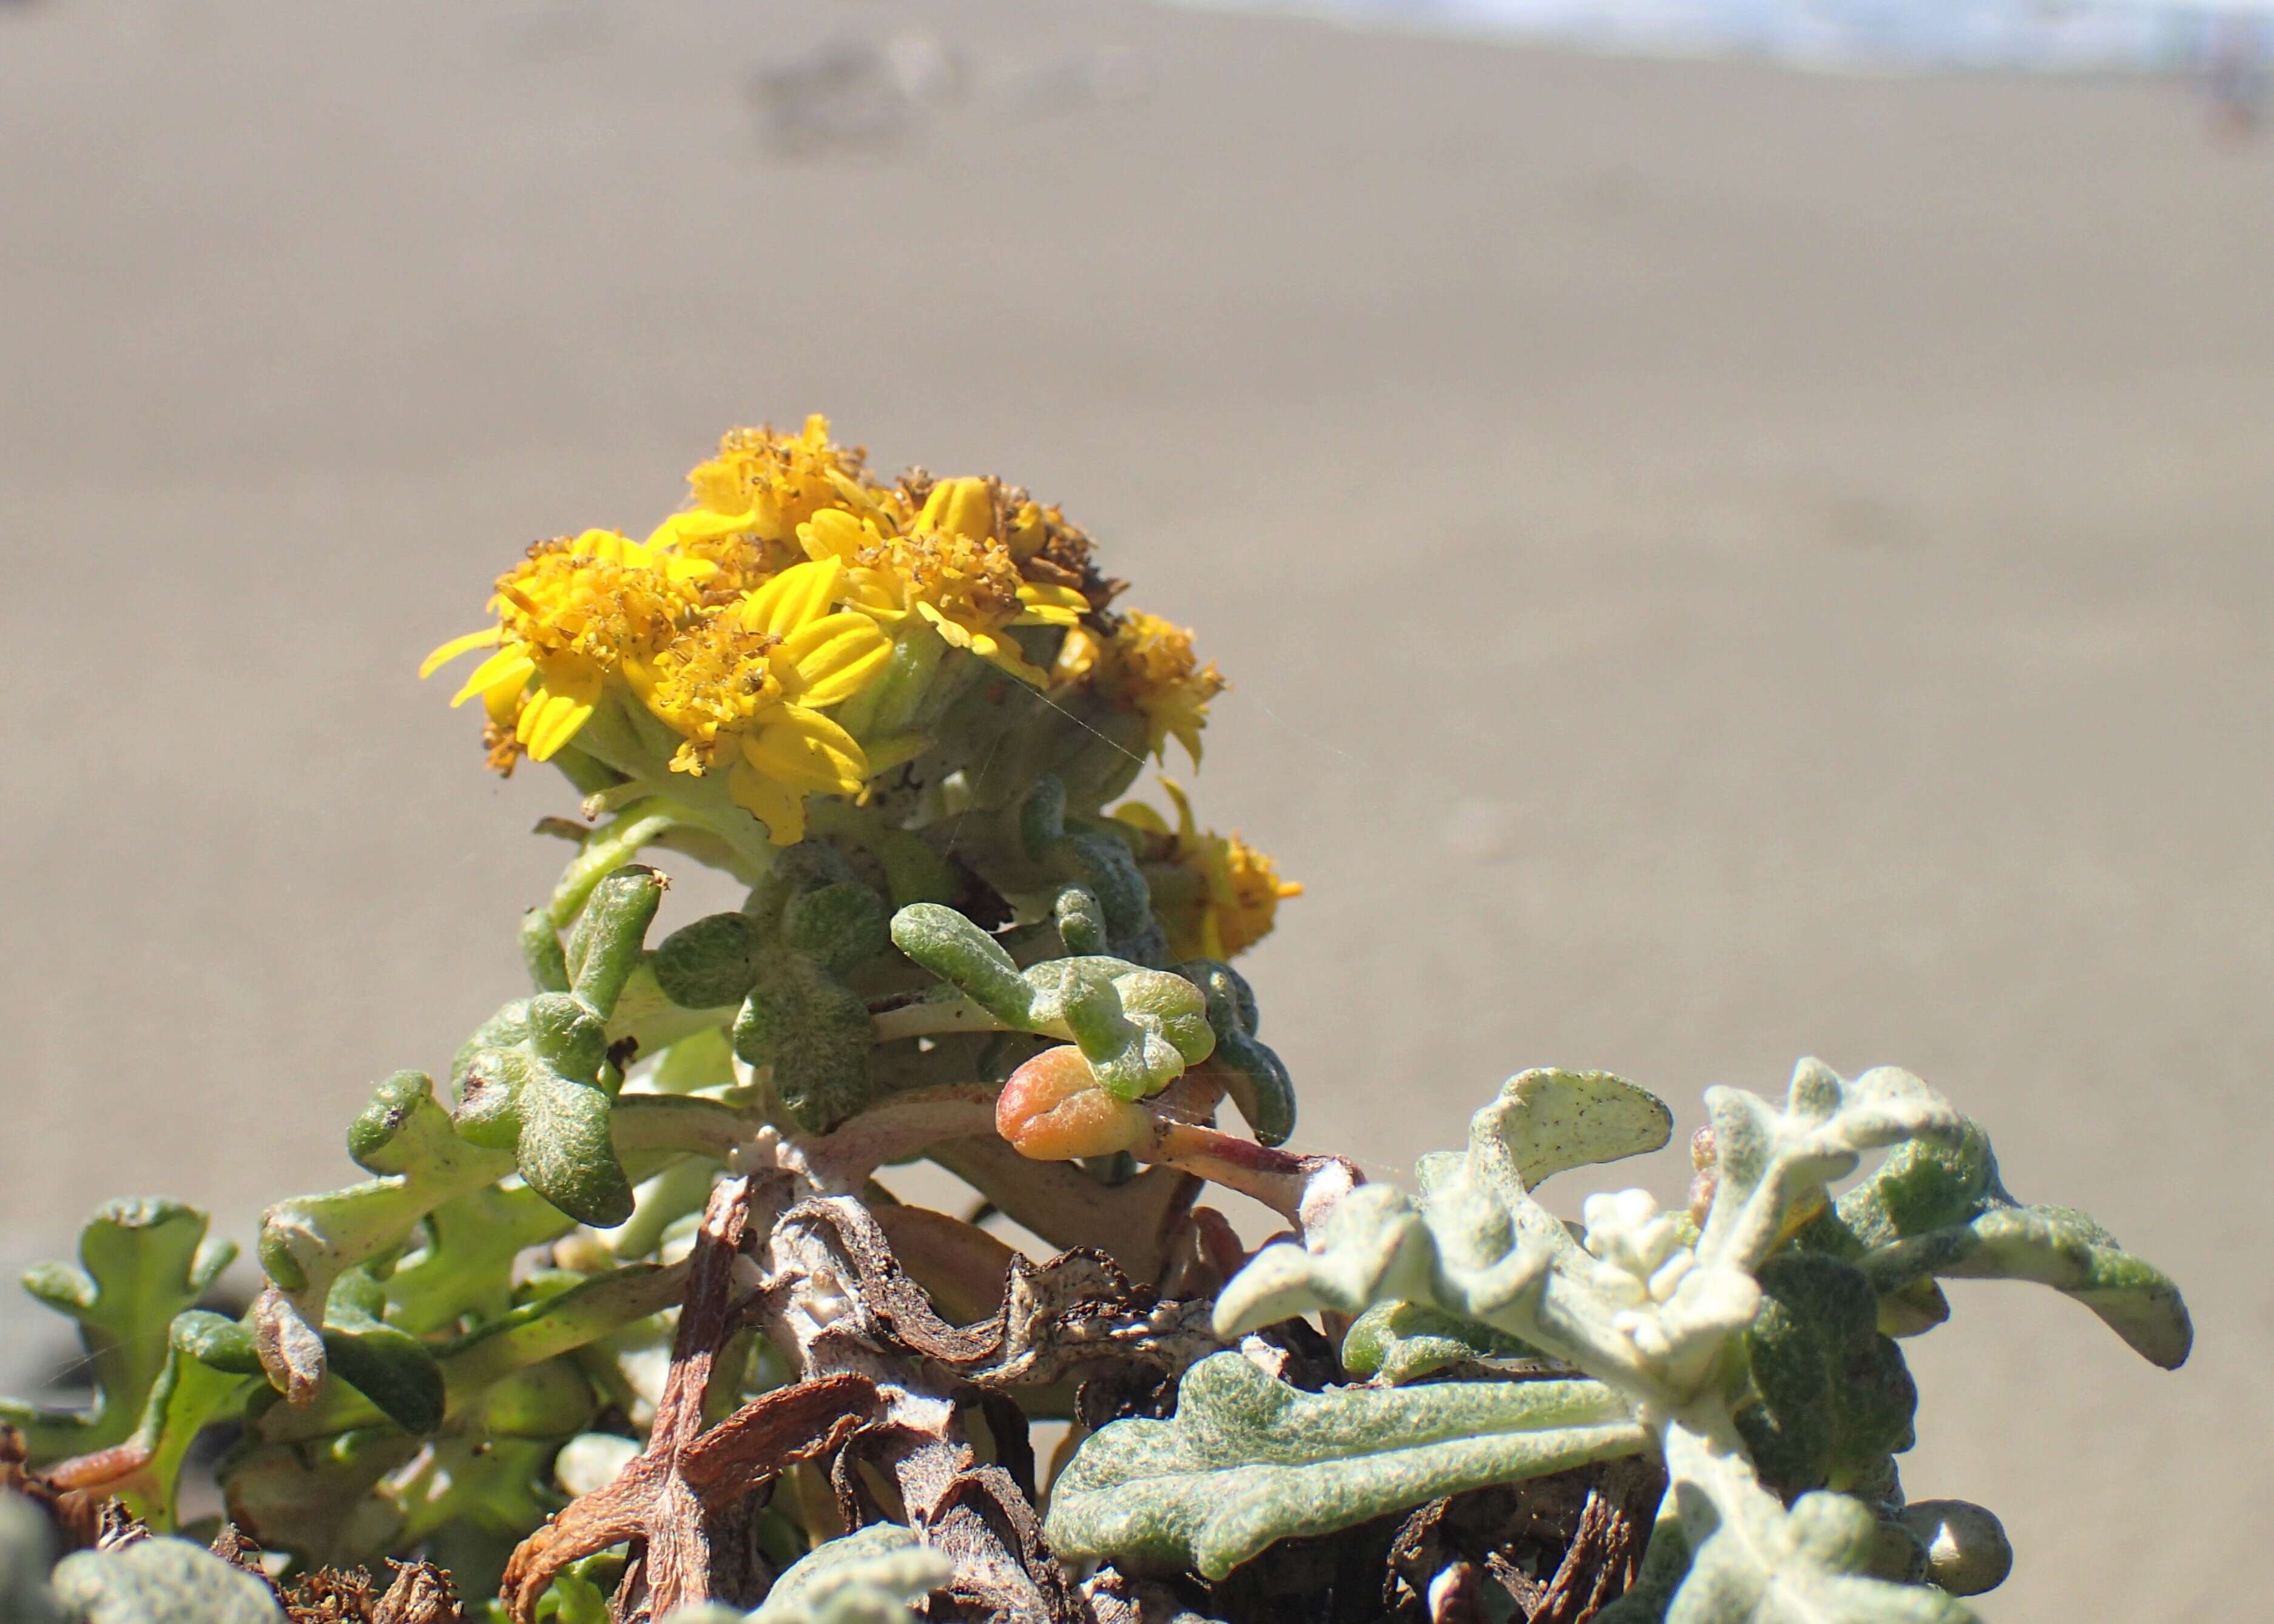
1247,1460
811,1035
1769,1162
872,1576
840,927
1834,1395
1398,1342
1548,1121
161,1580
709,963
1940,1209
1754,1562
141,1262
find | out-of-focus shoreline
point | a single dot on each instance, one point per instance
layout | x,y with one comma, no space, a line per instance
1833,36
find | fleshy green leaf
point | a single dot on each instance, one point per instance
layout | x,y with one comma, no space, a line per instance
568,1154
1138,1028
141,1262
1247,1460
1256,1078
811,1035
611,934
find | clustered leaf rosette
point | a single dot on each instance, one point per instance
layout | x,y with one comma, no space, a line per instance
1748,1345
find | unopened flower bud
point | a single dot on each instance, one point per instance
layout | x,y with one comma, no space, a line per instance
1053,1110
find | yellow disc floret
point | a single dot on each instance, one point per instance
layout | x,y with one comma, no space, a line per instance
575,612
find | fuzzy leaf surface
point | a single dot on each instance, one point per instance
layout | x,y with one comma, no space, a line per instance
1247,1460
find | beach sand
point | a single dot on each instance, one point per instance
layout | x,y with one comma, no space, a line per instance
1716,565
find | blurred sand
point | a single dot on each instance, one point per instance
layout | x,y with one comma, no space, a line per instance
1717,565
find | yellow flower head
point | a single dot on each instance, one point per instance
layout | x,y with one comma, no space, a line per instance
1217,895
749,687
576,611
749,499
952,571
1147,664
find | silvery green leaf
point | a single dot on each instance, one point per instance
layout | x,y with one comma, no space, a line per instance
1754,1562
1372,1247
1398,1342
141,1262
25,1541
873,1575
876,1574
1247,1460
161,1580
1548,1121
1940,1210
1768,1161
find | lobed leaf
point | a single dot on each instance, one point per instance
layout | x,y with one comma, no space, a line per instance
1940,1210
1247,1460
141,1262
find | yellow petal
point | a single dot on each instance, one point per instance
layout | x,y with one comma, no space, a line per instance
550,720
962,507
699,524
486,638
508,665
806,751
1003,653
837,656
1185,827
781,808
801,593
1137,815
832,533
1186,731
1047,605
951,631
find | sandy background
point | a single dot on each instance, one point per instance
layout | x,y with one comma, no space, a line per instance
1717,565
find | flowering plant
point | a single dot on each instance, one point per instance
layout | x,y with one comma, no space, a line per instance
624,1324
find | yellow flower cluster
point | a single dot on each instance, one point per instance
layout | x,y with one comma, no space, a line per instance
1216,895
1148,665
756,625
